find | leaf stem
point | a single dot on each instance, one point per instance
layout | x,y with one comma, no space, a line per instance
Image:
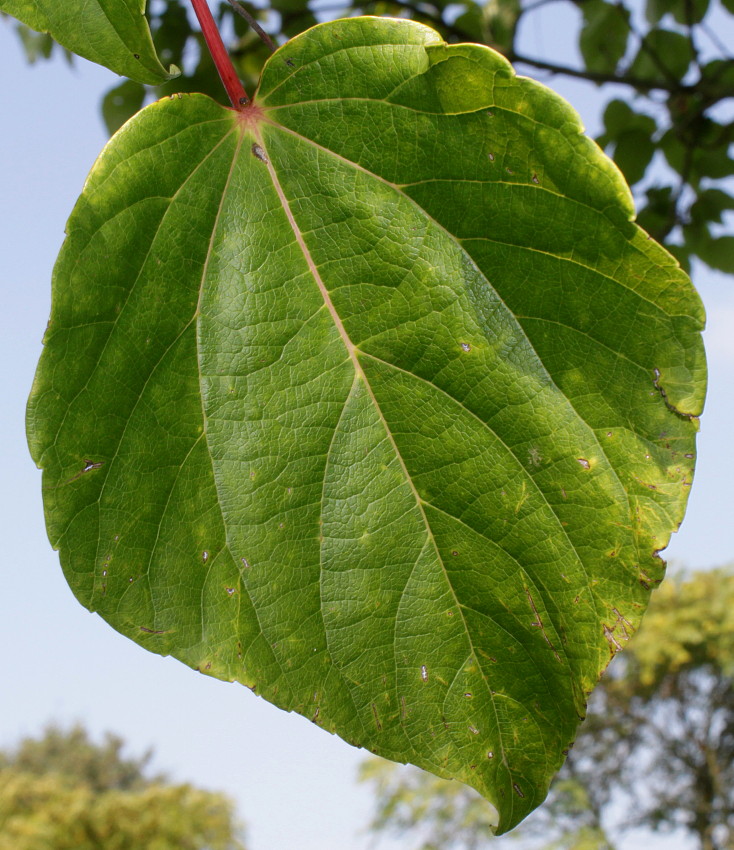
235,90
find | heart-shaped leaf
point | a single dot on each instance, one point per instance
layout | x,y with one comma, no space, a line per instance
371,397
113,33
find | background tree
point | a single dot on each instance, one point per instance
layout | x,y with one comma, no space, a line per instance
666,77
656,751
65,792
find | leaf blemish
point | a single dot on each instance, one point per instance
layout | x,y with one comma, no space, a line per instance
585,463
465,346
538,623
664,396
424,673
517,789
614,644
259,153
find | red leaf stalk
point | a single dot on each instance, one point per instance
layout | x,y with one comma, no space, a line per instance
235,90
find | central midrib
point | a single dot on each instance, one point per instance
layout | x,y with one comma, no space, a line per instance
352,351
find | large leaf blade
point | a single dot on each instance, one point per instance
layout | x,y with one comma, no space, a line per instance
332,416
113,33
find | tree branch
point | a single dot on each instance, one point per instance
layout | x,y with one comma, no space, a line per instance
264,37
600,77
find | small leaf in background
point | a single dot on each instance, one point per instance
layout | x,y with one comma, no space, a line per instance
658,215
715,251
121,103
619,118
295,15
629,135
709,143
633,152
373,398
502,17
114,33
719,73
473,22
604,34
665,55
709,206
37,45
655,10
688,12
172,33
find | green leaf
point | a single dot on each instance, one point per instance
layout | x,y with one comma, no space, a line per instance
473,21
121,103
715,251
113,33
682,253
709,206
632,153
655,10
658,215
620,119
503,16
665,55
37,45
172,33
603,37
709,149
718,76
372,398
689,12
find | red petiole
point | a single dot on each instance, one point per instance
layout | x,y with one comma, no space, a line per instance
235,90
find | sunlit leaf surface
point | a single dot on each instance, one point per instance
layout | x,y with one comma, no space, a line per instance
113,33
373,399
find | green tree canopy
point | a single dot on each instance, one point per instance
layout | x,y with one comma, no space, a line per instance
656,751
63,791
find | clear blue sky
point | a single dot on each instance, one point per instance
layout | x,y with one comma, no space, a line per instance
294,783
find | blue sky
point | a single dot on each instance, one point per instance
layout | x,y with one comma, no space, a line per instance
294,784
